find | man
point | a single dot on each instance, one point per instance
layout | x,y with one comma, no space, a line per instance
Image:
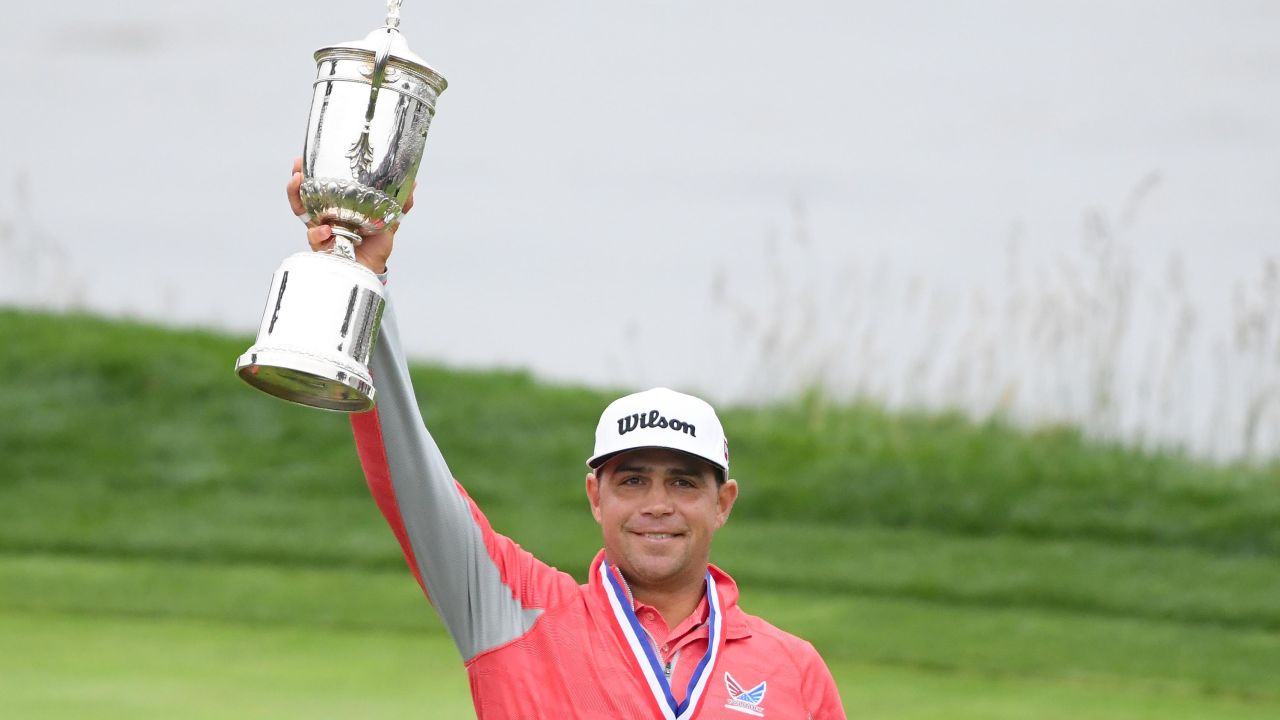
656,632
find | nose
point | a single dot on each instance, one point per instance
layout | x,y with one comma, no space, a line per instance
657,501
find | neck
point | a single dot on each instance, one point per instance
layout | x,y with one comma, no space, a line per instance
674,602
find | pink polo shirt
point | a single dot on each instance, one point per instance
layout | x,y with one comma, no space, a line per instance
536,644
687,640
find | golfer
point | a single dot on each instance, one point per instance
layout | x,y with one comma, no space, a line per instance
656,633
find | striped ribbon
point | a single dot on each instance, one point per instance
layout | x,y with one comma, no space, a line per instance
648,660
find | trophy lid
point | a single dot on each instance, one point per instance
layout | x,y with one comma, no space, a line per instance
376,41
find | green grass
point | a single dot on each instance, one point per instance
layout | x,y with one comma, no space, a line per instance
113,628
153,507
59,666
143,669
904,694
151,411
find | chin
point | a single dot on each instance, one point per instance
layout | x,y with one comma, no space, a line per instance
655,570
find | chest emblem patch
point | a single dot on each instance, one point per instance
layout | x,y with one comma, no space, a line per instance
742,700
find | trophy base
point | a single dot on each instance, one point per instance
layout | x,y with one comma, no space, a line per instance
305,379
317,333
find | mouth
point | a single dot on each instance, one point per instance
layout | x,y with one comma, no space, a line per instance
657,536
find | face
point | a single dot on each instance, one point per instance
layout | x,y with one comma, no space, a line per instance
658,510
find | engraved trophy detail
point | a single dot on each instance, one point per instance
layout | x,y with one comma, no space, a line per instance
372,104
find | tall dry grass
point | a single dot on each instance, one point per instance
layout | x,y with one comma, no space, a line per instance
1089,336
36,269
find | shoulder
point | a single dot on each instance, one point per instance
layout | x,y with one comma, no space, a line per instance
763,632
797,674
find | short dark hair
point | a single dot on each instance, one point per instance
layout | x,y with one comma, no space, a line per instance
716,470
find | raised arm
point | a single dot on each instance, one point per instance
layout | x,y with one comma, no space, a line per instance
486,588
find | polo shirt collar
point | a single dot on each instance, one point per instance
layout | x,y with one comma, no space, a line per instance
734,622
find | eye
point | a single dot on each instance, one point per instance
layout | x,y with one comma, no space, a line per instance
684,483
631,480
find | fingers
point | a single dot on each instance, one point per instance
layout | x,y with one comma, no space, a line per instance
295,195
408,204
294,191
320,237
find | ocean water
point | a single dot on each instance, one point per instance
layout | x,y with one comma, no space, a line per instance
1058,212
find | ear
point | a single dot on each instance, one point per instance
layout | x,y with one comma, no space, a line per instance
593,495
727,496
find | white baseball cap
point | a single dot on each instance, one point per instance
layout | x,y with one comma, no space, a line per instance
661,418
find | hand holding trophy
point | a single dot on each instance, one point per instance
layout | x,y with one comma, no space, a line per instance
374,248
371,107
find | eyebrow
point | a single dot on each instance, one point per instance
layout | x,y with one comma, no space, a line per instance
690,471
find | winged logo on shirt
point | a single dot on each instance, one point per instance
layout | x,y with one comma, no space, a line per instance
744,701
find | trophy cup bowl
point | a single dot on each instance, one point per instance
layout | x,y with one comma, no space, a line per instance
371,107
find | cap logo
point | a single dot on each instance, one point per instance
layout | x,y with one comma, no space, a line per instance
653,419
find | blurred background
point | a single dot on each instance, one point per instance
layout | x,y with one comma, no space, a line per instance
990,293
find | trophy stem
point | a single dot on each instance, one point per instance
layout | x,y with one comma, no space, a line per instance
344,243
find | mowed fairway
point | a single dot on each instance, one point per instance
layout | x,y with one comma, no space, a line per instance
56,666
174,545
154,639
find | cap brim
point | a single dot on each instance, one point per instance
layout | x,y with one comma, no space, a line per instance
596,462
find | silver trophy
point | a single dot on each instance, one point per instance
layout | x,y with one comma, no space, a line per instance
372,104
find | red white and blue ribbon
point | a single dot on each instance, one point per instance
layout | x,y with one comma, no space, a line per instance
648,661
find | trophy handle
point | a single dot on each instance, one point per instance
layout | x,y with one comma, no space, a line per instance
380,69
361,153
